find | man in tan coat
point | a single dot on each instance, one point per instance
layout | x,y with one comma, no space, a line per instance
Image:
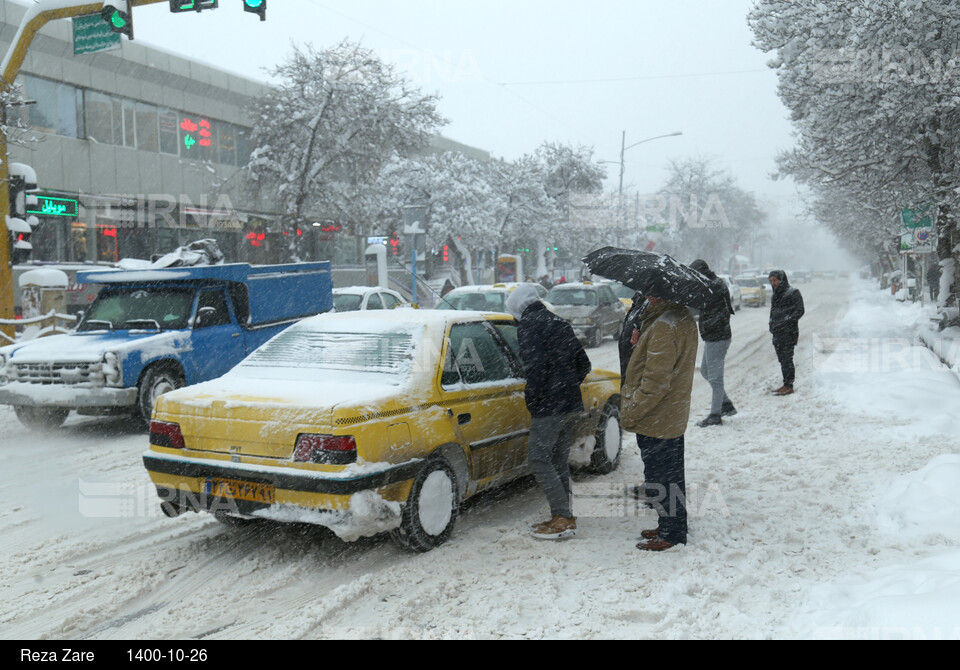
656,406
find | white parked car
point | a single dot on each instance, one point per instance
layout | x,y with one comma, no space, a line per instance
358,298
735,296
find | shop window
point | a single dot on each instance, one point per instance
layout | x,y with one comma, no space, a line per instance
56,107
98,113
244,146
78,242
148,137
107,244
169,133
228,144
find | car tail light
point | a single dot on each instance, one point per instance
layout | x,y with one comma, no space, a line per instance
330,449
164,434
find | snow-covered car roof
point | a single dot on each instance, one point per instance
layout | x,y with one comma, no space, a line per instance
360,290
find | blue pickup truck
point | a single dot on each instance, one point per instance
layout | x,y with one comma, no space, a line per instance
151,331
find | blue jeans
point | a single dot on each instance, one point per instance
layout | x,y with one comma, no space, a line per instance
665,483
711,367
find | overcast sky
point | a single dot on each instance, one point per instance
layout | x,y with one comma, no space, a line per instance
514,74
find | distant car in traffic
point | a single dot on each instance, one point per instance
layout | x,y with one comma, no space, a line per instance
736,297
625,295
362,298
483,298
752,291
593,310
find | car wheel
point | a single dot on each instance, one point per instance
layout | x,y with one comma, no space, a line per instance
609,441
156,381
41,418
431,510
595,339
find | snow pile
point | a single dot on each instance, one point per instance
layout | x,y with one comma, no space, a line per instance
201,252
878,369
912,601
924,503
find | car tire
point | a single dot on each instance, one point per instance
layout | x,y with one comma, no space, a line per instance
595,338
157,380
41,418
431,510
609,441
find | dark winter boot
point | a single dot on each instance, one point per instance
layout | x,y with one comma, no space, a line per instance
727,409
711,420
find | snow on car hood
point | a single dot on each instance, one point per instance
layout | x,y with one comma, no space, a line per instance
89,347
572,311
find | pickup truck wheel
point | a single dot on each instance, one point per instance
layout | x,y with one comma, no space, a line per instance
431,510
156,381
41,418
606,453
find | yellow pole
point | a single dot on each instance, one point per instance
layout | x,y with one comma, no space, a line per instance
13,62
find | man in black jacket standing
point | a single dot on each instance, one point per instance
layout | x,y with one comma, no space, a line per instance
716,335
786,308
554,364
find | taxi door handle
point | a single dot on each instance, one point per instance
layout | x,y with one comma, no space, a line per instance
463,419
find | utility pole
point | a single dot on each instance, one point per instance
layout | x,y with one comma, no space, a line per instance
35,19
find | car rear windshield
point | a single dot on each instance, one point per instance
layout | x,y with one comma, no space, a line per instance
572,297
387,353
492,301
347,302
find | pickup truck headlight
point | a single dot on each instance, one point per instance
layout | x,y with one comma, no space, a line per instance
112,369
582,321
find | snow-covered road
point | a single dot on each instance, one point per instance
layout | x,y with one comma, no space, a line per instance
793,510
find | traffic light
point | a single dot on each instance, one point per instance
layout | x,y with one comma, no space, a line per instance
177,6
257,7
118,15
23,180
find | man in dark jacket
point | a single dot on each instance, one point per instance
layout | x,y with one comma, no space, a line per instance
786,308
716,335
555,365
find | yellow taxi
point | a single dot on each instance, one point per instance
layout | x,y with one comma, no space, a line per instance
365,423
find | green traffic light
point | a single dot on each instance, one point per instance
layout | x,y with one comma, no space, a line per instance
118,21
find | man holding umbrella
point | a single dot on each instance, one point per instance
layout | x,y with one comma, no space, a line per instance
655,396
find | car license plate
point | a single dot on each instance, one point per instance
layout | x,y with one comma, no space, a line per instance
241,490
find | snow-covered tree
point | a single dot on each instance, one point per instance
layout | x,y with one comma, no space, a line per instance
874,94
323,132
704,213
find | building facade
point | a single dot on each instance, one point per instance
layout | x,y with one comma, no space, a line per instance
138,151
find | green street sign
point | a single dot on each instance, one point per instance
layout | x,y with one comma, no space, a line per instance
47,206
92,34
917,234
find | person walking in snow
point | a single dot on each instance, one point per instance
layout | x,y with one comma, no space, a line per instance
716,335
555,364
655,404
786,308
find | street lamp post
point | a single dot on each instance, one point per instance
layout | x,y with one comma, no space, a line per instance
623,151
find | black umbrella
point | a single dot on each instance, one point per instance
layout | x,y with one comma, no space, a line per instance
656,275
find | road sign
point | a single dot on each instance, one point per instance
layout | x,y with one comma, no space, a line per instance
92,34
917,232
